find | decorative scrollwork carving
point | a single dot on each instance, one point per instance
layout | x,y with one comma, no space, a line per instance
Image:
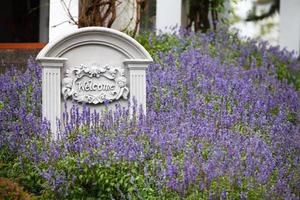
100,84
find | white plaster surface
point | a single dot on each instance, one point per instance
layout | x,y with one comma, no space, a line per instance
59,20
168,15
290,25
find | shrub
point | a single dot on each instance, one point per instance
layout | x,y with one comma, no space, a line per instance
12,191
221,123
228,48
20,121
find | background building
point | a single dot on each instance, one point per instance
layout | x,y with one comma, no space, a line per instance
27,25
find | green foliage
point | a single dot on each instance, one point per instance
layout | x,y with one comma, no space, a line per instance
119,180
283,73
1,105
24,173
154,43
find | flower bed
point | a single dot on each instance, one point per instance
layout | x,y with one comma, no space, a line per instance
222,123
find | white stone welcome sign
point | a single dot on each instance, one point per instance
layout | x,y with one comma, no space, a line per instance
92,65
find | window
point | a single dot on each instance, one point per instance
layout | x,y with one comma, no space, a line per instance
24,21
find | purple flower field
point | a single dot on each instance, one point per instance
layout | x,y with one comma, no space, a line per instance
222,123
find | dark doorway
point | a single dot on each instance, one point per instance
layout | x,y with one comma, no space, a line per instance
19,21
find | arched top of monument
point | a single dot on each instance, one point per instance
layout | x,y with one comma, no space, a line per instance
93,36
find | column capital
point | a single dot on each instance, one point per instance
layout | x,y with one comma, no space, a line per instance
137,64
51,62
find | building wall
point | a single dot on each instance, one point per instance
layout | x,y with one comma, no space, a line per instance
16,58
59,20
168,14
60,23
290,25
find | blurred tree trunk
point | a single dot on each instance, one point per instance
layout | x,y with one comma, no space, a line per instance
97,13
104,13
275,6
148,14
200,13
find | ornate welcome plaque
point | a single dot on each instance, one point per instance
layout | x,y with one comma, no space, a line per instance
94,84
